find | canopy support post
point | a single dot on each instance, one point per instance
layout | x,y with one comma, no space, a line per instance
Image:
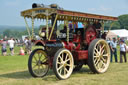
47,30
53,27
28,29
32,28
67,31
102,27
110,26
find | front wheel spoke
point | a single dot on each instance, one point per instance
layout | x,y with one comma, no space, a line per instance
59,63
68,65
64,71
34,66
39,69
60,71
44,59
44,68
61,59
96,56
35,58
66,57
34,62
39,56
67,60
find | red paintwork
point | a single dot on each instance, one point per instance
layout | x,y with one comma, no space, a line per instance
90,34
76,52
70,46
81,54
77,38
39,42
75,45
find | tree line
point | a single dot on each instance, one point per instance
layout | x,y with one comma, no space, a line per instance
122,23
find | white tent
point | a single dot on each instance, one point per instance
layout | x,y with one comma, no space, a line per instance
122,33
111,35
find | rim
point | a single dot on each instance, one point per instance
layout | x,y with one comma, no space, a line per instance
101,56
40,64
64,64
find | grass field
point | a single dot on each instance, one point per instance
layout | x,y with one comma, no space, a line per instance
13,71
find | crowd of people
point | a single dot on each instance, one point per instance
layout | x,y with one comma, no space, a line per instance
12,42
113,48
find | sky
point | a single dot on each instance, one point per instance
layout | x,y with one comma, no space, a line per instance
10,9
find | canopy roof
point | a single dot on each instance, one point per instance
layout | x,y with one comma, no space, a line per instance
41,13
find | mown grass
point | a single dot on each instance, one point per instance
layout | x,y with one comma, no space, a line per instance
13,71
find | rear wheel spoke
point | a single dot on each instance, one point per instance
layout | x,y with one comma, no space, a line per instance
60,67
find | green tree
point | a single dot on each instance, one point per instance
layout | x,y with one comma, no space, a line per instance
123,20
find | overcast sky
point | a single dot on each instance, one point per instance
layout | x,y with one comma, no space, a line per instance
10,9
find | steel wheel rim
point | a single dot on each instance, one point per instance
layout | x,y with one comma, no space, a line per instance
101,56
64,64
40,64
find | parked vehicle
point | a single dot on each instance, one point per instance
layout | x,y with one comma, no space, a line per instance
70,48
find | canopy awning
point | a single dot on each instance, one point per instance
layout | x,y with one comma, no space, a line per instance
41,13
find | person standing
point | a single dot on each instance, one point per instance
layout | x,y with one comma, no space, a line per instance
4,47
28,45
123,48
11,43
113,48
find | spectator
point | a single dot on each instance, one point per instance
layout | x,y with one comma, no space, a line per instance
28,45
11,43
21,51
4,47
113,48
123,51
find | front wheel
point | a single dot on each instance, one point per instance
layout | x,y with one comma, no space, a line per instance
38,63
98,56
63,64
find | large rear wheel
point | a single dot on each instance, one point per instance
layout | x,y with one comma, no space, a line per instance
63,64
38,63
98,56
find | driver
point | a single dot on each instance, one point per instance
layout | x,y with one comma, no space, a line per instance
97,25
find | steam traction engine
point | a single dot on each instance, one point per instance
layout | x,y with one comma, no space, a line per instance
71,47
